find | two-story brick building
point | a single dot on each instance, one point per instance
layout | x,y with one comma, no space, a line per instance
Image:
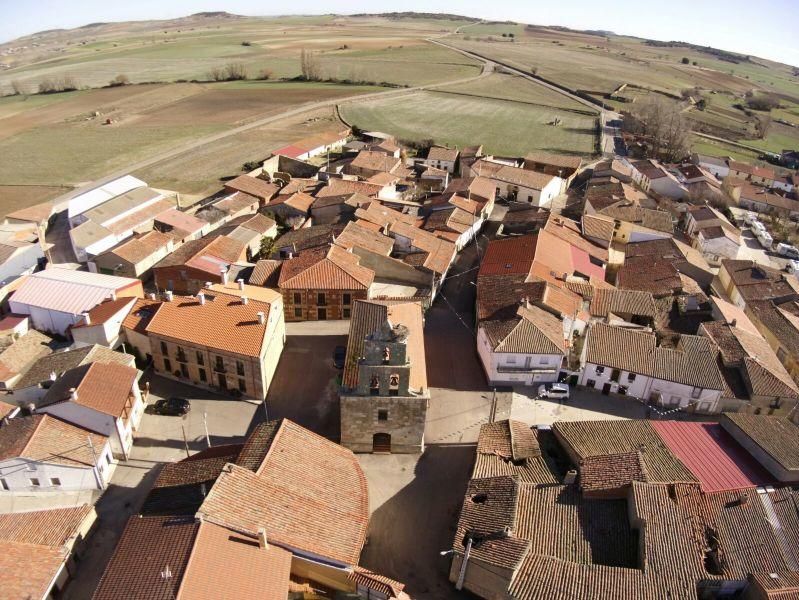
323,283
384,395
222,338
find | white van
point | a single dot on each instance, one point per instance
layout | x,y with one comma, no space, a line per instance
765,239
750,217
787,250
792,266
757,226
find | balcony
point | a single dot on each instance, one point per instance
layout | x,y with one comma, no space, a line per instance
181,357
526,369
219,368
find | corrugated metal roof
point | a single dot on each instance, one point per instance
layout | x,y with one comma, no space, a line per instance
712,455
83,202
68,291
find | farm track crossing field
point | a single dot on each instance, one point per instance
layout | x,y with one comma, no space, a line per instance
502,126
14,197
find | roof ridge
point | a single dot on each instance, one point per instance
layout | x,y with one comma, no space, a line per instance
33,433
272,443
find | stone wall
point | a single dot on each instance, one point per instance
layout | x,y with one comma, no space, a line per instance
404,421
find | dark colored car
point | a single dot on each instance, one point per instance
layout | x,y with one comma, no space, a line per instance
339,355
172,407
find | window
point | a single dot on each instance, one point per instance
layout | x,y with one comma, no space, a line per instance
382,414
200,358
614,375
298,313
184,371
775,403
55,481
297,298
630,377
346,299
220,364
164,349
242,385
108,459
34,481
167,365
590,383
623,390
239,368
203,376
346,313
543,360
599,370
696,392
4,484
321,299
181,354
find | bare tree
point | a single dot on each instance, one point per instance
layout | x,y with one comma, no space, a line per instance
119,80
216,74
763,126
16,88
235,72
309,66
668,131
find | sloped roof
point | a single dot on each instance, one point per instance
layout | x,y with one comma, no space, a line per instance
309,494
140,248
266,273
46,439
777,436
375,161
511,448
106,310
224,322
52,527
104,387
68,291
442,153
331,268
299,201
252,186
59,362
357,236
616,301
534,331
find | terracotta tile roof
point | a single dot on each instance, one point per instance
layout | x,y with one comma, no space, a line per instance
258,223
22,352
757,282
598,226
235,327
368,316
375,161
384,216
299,201
511,255
357,236
37,213
691,362
266,273
46,439
621,302
658,277
511,448
658,220
208,254
225,564
104,387
140,248
383,178
533,331
780,319
106,310
308,237
730,312
232,204
555,160
777,436
309,494
52,527
148,546
140,314
474,188
783,585
751,353
569,231
611,472
27,570
379,583
61,361
765,172
442,153
522,177
346,187
603,438
331,268
252,186
181,221
498,296
439,253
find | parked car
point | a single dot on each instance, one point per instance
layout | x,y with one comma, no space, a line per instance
339,355
787,250
557,391
765,239
750,217
757,226
172,407
792,266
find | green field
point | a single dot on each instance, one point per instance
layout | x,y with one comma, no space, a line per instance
508,127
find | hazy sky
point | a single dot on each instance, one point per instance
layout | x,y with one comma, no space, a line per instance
766,28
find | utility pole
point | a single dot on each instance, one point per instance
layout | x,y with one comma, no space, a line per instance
96,466
493,415
205,425
185,441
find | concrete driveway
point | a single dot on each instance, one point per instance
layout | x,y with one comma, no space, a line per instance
583,405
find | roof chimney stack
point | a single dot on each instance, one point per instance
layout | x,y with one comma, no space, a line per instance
208,285
244,300
87,319
201,298
73,394
223,273
151,295
261,318
53,376
262,543
168,295
241,283
734,323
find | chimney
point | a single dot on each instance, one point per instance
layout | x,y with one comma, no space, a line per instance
291,255
734,322
743,499
151,295
87,320
53,376
208,285
570,478
201,298
73,394
244,300
241,283
223,272
168,295
262,543
261,318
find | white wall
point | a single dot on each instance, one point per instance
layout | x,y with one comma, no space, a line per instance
44,319
669,187
492,361
22,262
720,172
17,473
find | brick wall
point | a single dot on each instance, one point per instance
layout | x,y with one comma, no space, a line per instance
309,305
182,279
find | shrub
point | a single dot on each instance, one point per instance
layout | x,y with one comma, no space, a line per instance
763,102
119,80
265,74
246,43
686,60
250,165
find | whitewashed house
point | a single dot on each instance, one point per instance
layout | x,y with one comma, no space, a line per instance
41,453
718,166
526,349
630,362
103,398
440,157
